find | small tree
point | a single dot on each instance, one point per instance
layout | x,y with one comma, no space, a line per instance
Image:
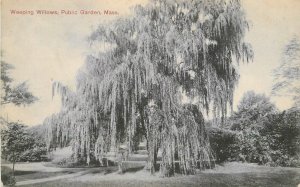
14,141
13,138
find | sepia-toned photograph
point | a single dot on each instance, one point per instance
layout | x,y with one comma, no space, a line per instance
150,93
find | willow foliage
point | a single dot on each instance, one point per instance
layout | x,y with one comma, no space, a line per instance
287,74
163,52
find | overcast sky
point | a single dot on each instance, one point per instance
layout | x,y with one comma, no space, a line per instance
46,48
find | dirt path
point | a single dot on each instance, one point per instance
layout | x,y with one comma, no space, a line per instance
35,181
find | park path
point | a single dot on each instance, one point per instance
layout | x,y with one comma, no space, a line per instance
35,181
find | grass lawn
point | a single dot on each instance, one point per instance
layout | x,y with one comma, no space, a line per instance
22,175
231,174
28,175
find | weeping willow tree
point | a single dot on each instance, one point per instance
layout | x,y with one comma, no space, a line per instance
287,75
164,67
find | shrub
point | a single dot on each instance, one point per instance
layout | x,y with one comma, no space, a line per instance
34,155
285,130
7,177
273,139
252,147
223,143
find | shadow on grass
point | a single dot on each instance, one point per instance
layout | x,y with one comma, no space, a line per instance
104,170
133,170
67,172
19,172
110,170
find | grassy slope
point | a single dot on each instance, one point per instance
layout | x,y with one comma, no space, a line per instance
232,174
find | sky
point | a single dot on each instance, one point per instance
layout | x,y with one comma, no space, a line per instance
47,48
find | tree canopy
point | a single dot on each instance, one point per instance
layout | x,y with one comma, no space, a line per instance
17,95
251,109
161,70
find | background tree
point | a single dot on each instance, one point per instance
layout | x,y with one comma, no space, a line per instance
17,95
259,133
241,140
287,74
14,141
251,109
282,132
37,150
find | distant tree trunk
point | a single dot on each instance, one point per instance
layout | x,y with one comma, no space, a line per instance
13,168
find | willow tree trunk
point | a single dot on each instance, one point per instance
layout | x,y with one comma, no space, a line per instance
154,161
